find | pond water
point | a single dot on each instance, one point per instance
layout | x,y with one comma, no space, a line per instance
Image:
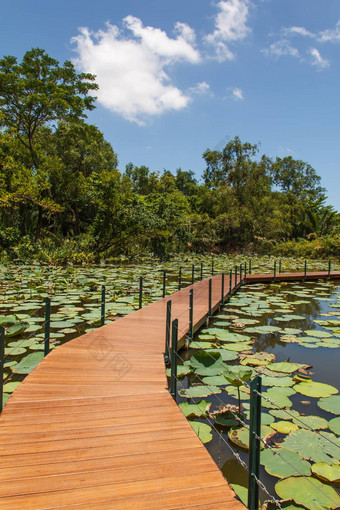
75,293
290,334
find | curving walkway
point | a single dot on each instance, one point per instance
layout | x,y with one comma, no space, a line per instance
94,426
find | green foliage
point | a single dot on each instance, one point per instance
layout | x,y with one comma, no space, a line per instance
62,197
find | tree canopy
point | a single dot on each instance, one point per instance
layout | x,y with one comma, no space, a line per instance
59,181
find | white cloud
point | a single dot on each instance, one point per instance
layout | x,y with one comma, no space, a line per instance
201,88
317,59
230,26
282,48
330,35
131,67
237,93
297,31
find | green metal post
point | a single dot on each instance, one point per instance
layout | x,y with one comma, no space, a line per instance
192,274
245,272
254,443
329,268
140,292
180,278
47,326
250,266
174,338
235,276
212,268
210,295
102,312
305,276
167,333
222,290
201,270
241,268
164,283
230,282
280,266
191,314
275,271
2,360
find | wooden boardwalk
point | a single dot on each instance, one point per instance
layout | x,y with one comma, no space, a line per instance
94,427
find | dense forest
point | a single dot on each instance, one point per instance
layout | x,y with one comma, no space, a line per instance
62,197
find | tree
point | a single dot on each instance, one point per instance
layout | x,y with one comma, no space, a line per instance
298,181
229,166
34,94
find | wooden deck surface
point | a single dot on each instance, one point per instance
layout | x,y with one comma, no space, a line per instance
94,426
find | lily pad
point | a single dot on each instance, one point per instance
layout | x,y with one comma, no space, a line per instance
334,425
199,409
330,404
199,391
327,472
240,436
315,389
308,492
28,363
284,427
309,444
202,430
284,366
282,463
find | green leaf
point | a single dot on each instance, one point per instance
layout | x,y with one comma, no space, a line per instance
284,366
241,492
202,430
308,492
283,463
199,409
28,363
334,425
330,404
199,391
309,444
240,436
315,389
16,330
327,472
284,427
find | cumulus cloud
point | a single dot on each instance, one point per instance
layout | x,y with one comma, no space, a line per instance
317,59
132,66
230,26
237,94
282,48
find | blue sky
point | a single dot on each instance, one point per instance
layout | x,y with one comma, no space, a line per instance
178,77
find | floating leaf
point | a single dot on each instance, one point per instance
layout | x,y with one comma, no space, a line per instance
315,389
241,436
215,380
199,391
11,386
330,404
241,492
16,330
318,333
28,363
308,492
282,463
334,425
284,366
327,472
202,430
265,330
284,427
309,444
199,409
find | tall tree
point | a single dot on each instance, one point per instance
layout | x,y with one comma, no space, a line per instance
37,92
